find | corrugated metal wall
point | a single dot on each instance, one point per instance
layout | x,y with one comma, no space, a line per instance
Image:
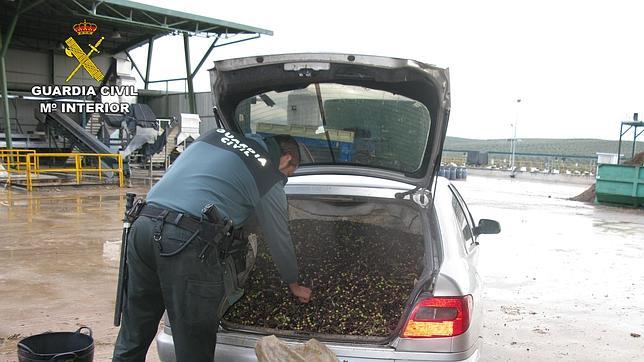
26,69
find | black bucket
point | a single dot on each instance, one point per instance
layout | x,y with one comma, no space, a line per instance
57,346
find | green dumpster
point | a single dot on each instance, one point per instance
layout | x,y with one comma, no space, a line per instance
620,184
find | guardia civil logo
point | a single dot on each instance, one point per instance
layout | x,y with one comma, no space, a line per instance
74,50
85,30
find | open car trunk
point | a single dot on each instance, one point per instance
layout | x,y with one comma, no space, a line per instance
355,114
363,258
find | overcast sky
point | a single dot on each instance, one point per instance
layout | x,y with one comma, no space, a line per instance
577,66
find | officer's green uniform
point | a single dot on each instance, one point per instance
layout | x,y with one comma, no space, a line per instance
239,176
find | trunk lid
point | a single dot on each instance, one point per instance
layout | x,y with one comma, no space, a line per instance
353,114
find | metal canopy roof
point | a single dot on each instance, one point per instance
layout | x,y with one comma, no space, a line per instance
42,24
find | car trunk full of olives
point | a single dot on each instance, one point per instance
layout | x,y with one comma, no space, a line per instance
362,258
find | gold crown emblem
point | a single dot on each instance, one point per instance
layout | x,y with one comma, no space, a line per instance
85,28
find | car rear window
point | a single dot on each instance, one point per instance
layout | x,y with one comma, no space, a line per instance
343,124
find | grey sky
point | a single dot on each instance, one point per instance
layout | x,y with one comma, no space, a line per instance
576,65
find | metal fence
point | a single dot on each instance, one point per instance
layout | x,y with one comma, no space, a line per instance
529,162
28,165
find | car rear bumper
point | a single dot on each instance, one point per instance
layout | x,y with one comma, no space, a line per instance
235,347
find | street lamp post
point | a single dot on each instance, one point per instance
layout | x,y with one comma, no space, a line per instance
514,141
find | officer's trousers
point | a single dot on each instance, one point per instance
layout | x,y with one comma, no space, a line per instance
188,288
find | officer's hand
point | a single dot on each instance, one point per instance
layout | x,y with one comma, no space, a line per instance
302,293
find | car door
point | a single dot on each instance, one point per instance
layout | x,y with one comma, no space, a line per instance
470,245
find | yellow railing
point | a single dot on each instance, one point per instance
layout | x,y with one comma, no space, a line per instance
27,163
15,159
33,165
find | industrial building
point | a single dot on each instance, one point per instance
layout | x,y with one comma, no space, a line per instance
69,83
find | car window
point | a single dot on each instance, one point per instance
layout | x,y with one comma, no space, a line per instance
468,214
463,220
357,125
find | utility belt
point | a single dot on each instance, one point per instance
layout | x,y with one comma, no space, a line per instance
233,251
215,232
184,221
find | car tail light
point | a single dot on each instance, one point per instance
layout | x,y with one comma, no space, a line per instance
439,317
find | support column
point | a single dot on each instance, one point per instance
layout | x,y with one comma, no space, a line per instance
619,145
639,134
3,72
149,61
191,91
5,103
52,67
634,141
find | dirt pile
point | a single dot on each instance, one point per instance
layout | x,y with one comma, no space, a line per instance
589,194
361,276
638,160
586,196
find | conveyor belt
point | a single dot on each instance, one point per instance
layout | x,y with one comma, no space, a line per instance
81,138
85,141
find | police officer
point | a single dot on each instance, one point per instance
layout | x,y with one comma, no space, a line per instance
175,263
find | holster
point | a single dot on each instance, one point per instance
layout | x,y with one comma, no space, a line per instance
219,248
244,252
237,265
218,235
133,213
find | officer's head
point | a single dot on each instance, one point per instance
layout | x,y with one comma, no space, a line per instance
290,154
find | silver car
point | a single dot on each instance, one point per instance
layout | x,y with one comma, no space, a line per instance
371,130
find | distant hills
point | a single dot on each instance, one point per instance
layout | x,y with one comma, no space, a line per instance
552,146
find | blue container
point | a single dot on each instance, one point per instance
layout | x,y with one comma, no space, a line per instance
452,173
464,173
441,171
459,173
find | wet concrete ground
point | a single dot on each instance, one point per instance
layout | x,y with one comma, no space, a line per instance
562,281
59,250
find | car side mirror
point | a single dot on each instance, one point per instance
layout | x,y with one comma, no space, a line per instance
487,226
